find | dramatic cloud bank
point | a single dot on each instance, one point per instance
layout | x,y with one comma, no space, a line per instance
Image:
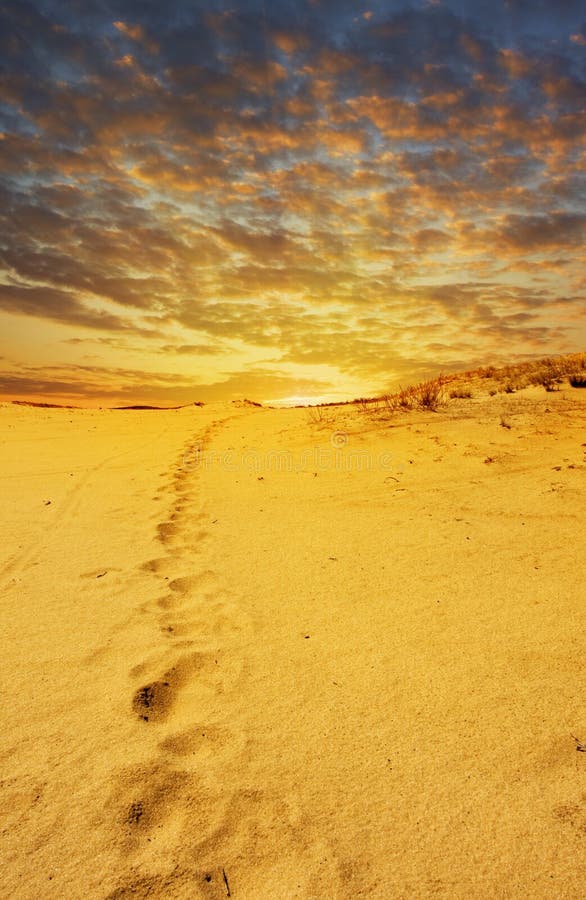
294,198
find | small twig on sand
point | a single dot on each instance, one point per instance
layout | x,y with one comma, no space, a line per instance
580,745
225,877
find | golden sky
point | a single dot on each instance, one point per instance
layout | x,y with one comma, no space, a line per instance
286,200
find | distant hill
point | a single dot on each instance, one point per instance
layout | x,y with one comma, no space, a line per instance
43,405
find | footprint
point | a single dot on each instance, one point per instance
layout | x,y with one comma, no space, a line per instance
158,566
190,582
197,739
153,701
175,630
20,798
145,795
179,882
167,602
166,531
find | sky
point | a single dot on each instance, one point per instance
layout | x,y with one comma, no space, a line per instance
286,200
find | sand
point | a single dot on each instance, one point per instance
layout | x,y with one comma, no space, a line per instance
249,654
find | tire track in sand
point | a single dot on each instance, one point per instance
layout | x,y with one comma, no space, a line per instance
74,498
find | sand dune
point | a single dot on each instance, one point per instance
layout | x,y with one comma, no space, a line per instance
260,654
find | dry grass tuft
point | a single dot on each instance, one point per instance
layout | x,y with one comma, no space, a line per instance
319,415
578,381
428,395
460,394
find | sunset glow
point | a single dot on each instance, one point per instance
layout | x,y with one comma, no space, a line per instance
315,199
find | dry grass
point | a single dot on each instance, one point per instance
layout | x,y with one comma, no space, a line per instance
550,372
428,395
460,394
578,381
366,403
315,415
319,415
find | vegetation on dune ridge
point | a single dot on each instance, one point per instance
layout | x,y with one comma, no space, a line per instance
549,371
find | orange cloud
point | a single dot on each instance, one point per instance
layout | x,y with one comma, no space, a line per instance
290,42
136,33
341,143
260,75
472,47
126,61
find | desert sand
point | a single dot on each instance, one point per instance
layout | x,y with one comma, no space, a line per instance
273,653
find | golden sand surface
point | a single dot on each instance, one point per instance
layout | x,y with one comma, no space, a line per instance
273,653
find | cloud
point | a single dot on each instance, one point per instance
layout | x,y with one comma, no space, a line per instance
516,234
61,306
192,349
298,181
